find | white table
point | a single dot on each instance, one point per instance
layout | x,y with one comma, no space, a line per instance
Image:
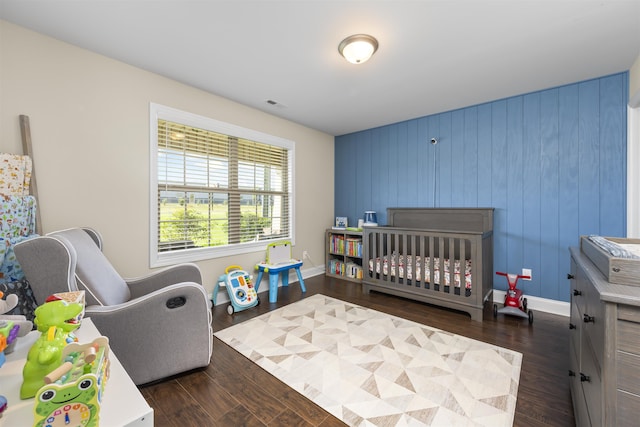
122,404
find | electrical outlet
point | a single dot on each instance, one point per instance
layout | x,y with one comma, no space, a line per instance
305,255
527,272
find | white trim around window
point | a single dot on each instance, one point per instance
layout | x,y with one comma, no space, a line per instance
158,179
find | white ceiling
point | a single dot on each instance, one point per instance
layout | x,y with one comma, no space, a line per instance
434,56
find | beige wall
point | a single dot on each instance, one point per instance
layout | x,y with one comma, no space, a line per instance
90,128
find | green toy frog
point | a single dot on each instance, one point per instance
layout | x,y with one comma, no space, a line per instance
56,320
71,405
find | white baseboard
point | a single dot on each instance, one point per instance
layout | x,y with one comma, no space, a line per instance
540,304
223,297
534,303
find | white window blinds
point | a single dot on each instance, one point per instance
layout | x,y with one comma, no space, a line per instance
216,189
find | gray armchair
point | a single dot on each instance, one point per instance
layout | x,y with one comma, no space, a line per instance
158,325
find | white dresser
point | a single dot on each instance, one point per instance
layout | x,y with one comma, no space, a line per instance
604,347
122,405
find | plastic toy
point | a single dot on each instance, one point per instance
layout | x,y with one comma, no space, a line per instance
9,303
3,405
70,297
20,326
56,320
73,392
515,304
239,284
8,335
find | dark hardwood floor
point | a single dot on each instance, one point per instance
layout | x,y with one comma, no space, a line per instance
232,391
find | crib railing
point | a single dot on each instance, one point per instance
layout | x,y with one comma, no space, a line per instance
412,247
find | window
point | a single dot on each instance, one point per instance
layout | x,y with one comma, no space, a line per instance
216,189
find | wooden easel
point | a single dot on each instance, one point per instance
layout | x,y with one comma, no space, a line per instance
25,130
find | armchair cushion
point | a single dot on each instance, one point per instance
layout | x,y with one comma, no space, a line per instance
94,272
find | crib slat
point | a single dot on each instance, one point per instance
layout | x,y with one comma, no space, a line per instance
431,262
381,237
398,250
404,252
463,267
414,261
423,264
452,265
440,286
370,245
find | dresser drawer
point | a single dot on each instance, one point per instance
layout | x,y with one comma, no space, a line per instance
632,314
593,323
579,289
628,374
580,412
628,336
591,384
575,329
627,410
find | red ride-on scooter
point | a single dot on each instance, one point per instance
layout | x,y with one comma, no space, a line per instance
515,304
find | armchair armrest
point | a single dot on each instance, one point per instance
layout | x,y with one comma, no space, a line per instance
144,285
160,334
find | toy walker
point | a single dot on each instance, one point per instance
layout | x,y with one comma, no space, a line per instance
515,304
242,293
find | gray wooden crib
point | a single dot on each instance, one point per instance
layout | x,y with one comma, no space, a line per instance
441,256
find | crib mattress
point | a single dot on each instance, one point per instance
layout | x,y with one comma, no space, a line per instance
386,267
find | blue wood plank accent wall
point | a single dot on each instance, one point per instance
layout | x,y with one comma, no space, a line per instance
552,164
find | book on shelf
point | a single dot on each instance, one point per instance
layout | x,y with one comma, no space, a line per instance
353,270
336,267
353,247
347,269
336,244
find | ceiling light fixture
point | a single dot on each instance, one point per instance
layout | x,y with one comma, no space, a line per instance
358,48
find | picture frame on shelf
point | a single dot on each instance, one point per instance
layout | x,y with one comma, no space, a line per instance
341,223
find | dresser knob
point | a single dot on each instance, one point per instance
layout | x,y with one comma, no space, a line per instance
584,378
588,318
570,276
571,373
576,292
572,326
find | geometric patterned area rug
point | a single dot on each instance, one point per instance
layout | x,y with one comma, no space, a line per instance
369,368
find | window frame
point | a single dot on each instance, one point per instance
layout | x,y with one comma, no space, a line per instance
162,112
